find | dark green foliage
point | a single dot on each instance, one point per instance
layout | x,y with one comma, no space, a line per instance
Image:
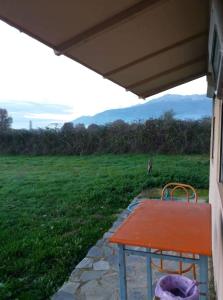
53,209
5,120
164,135
67,127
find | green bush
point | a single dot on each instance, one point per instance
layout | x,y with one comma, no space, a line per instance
164,135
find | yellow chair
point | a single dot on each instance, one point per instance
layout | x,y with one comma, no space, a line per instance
168,193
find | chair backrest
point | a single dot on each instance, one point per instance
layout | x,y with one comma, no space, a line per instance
170,189
168,193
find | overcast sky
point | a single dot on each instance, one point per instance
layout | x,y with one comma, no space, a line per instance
58,88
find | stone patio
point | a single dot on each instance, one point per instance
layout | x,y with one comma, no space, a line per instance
96,276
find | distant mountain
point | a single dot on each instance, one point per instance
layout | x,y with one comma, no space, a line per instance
185,107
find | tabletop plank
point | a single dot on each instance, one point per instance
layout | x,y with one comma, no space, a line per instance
168,225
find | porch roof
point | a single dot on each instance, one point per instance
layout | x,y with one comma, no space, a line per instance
145,46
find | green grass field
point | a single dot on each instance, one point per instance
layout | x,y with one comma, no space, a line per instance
53,209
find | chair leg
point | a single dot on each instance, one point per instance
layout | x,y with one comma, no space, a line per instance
149,276
203,277
194,270
161,261
122,273
180,265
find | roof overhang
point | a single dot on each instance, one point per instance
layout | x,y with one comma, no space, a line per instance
215,50
145,46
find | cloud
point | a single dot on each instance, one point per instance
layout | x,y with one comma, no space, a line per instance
40,114
46,116
34,107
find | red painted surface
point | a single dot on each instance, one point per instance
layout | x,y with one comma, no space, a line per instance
168,225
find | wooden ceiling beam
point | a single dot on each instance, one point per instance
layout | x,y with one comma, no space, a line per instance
166,72
151,55
171,85
105,25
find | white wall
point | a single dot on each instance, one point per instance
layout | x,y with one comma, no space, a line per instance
216,200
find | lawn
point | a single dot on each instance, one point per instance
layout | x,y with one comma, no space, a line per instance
53,209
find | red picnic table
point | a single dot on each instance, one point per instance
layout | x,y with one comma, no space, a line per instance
168,226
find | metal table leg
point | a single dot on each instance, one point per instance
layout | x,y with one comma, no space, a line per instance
122,273
203,263
149,276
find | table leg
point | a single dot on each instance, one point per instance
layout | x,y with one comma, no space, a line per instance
203,277
149,276
122,273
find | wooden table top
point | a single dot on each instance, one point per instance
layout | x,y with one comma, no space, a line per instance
168,225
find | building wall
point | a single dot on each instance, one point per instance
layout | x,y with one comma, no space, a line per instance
216,199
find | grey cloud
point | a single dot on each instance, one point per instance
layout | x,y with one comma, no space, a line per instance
19,109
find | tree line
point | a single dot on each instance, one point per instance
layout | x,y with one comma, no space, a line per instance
163,135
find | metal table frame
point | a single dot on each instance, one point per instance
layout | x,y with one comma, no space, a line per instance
202,261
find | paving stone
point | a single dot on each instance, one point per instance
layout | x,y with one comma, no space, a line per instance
101,265
124,214
130,270
95,291
113,261
108,251
95,297
137,281
110,278
95,252
135,259
112,288
107,235
112,229
86,263
89,286
61,295
100,243
115,295
117,224
120,220
75,275
70,287
91,275
137,295
113,246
